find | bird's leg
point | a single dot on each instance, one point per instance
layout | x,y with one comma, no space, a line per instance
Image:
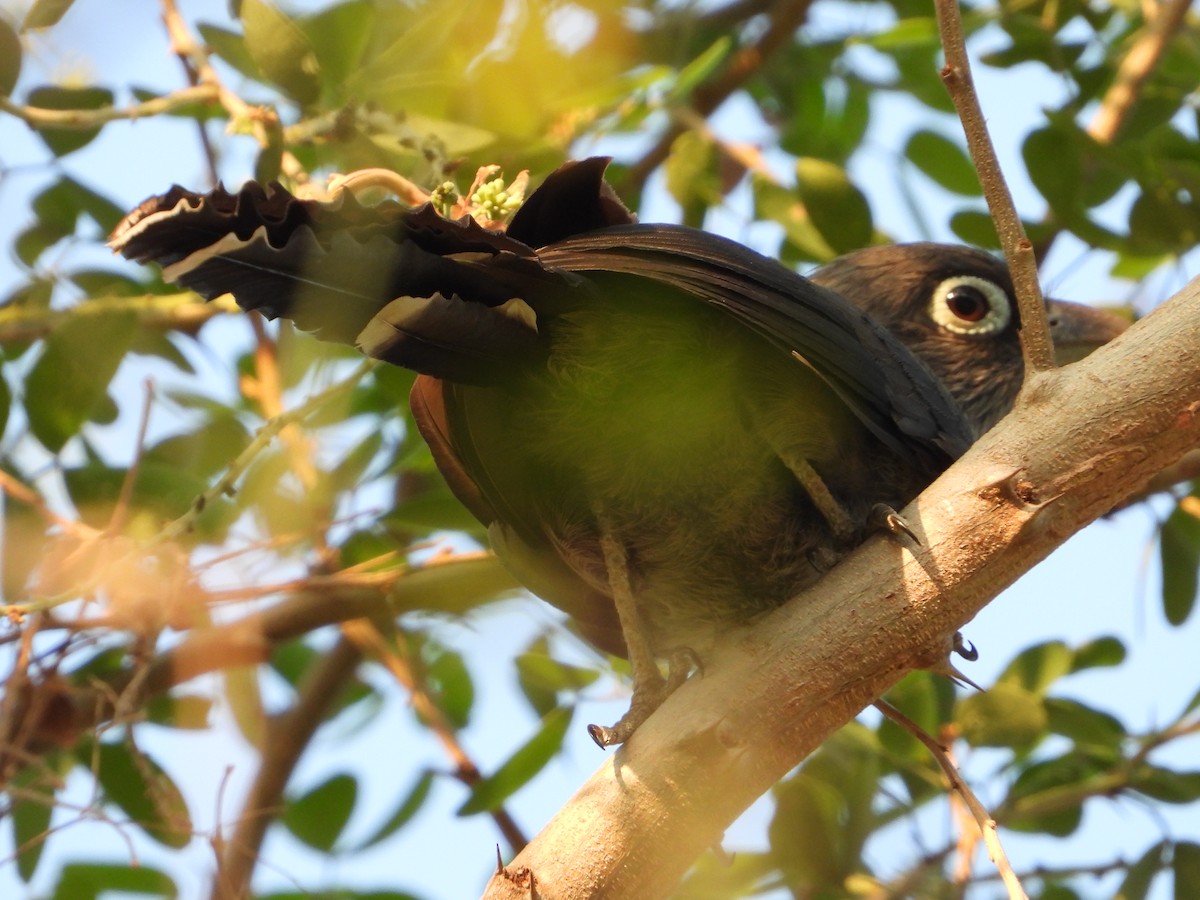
844,528
650,689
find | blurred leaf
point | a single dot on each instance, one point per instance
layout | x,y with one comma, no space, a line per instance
5,403
907,33
1047,796
975,228
408,807
281,50
31,807
450,683
1187,870
1142,873
89,881
837,209
143,791
1036,668
1005,716
204,451
67,384
1103,652
10,57
944,161
339,36
542,677
318,817
45,13
1166,785
184,711
691,176
1179,551
698,71
434,509
230,47
243,694
62,141
522,766
1082,724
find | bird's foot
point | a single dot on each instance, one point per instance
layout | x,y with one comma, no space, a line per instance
883,518
648,695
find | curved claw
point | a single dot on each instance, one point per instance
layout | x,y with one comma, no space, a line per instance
965,648
647,697
884,518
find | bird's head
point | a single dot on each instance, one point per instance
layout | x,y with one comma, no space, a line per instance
954,307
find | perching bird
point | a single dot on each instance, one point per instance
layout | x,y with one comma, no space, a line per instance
664,432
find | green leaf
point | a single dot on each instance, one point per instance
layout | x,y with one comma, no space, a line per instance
1082,724
1140,875
280,49
1005,716
317,818
838,210
976,228
62,141
1055,164
31,808
184,711
45,13
230,47
450,683
1103,652
10,58
1039,666
944,161
409,807
89,881
522,766
68,383
1187,870
691,175
696,72
542,677
5,403
1166,785
339,37
1179,552
143,791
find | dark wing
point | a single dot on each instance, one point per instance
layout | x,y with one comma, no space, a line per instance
886,387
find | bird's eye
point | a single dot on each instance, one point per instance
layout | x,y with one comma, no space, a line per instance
968,304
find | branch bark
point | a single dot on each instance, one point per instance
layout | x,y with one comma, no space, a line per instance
1080,441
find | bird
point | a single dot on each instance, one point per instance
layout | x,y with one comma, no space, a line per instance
664,432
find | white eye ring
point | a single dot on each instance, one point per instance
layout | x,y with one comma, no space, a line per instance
968,304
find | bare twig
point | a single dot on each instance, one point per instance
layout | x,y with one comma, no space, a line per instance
1022,263
983,819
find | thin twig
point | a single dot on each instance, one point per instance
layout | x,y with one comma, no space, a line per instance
124,498
166,312
367,636
286,738
983,819
83,119
1022,263
786,17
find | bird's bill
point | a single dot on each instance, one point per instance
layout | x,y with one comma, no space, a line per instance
1077,329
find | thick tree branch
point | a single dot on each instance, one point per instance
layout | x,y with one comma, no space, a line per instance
1080,441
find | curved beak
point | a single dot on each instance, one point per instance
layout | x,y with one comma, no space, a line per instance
1077,330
